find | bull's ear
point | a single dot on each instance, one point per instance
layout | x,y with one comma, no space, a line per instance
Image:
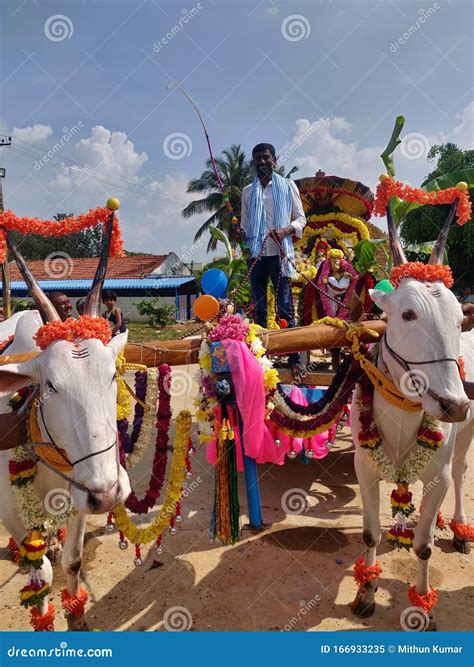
381,299
118,342
14,376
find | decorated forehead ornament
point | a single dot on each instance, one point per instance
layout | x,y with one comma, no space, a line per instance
73,330
424,272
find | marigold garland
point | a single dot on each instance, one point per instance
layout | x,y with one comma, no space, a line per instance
71,330
426,602
124,523
463,531
388,188
11,222
74,605
363,573
45,622
423,272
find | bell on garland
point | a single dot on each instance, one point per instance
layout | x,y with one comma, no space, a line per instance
310,453
138,562
159,549
178,518
189,474
329,444
191,451
277,442
123,544
173,530
292,454
109,528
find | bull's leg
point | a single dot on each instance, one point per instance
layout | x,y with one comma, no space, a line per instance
369,484
461,447
72,560
434,491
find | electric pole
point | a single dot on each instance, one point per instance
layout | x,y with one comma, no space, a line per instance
6,291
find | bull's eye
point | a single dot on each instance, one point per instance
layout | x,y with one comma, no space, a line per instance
51,386
409,315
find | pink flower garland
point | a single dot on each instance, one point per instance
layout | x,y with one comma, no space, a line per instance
341,311
230,326
157,478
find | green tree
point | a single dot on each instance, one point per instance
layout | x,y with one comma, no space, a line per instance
236,172
423,224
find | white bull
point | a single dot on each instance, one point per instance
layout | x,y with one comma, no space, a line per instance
423,338
78,394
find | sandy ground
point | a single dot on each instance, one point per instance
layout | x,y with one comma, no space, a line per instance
295,575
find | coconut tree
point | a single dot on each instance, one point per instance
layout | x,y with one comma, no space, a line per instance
236,172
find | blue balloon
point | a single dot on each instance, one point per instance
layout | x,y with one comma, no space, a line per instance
214,282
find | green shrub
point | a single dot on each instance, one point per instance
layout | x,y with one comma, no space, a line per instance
158,314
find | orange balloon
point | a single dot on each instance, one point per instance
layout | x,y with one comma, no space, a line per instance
206,307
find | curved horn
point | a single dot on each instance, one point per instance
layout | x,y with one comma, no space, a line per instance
92,307
437,254
47,310
396,250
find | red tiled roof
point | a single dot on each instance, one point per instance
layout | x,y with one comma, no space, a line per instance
83,268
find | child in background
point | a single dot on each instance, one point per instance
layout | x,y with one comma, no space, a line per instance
113,313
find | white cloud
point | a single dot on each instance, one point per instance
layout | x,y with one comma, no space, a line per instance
33,133
463,134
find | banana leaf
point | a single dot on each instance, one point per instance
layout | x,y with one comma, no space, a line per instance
394,141
220,236
364,255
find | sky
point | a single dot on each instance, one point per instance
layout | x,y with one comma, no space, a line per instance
84,95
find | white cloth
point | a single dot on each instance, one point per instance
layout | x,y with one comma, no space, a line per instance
298,219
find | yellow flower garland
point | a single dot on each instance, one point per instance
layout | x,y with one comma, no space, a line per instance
124,401
173,495
360,230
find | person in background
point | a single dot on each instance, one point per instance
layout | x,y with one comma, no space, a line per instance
113,313
467,295
80,305
62,304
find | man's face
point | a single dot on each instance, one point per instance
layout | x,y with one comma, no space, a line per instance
63,306
264,162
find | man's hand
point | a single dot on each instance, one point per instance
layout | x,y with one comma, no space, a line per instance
280,234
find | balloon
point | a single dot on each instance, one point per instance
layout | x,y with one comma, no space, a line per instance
214,282
385,286
283,323
206,307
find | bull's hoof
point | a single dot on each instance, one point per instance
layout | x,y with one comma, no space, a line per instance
76,623
361,607
463,546
55,551
431,627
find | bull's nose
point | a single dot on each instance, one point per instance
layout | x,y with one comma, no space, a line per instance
454,410
100,502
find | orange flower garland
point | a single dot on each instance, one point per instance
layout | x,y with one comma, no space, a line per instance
426,602
11,222
422,272
463,531
71,330
388,188
73,605
364,573
43,623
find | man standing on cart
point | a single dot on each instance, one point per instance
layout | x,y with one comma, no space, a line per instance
271,214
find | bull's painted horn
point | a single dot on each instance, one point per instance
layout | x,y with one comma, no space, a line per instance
437,254
92,306
396,250
47,310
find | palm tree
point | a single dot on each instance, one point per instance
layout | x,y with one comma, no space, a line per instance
236,172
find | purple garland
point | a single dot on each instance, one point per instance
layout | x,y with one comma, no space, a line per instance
127,442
